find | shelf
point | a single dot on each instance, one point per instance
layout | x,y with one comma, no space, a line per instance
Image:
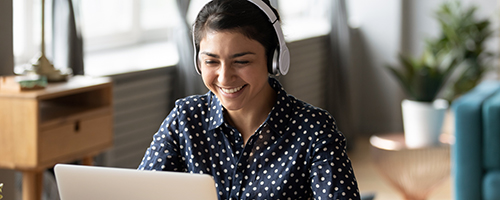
64,122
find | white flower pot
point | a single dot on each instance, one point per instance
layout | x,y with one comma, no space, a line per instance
423,122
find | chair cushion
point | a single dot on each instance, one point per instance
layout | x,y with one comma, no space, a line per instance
491,132
467,151
491,183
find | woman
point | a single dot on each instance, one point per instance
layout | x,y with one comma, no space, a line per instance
254,139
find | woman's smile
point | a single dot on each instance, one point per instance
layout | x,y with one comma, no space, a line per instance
231,90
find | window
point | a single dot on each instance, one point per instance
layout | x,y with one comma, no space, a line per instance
136,29
117,23
26,32
304,19
128,35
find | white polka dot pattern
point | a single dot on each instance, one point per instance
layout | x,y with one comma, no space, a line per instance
296,153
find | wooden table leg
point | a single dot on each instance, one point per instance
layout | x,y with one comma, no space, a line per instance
88,160
32,185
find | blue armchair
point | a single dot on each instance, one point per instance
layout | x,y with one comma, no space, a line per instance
476,152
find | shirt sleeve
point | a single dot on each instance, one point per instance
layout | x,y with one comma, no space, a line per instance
164,154
332,176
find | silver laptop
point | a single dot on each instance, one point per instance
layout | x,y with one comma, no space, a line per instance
76,182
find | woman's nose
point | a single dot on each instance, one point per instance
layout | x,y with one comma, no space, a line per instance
226,73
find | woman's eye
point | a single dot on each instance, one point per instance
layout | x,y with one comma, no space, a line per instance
210,62
242,62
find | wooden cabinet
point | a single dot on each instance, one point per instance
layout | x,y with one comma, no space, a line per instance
61,123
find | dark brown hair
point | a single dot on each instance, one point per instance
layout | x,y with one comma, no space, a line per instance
237,15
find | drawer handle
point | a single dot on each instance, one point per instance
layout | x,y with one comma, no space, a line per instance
77,126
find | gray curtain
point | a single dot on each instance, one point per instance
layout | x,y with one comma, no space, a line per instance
189,81
6,40
338,89
67,44
6,68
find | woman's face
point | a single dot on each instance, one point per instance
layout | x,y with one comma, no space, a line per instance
234,68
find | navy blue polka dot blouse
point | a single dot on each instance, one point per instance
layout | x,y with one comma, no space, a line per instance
297,153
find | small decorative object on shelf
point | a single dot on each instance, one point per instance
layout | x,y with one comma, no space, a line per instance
23,83
43,67
1,186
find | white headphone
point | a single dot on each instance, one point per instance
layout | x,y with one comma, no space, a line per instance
281,56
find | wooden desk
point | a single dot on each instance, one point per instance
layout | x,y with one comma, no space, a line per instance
61,123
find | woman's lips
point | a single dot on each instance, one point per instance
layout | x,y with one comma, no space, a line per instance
231,90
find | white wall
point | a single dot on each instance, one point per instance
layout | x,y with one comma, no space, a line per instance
374,94
383,29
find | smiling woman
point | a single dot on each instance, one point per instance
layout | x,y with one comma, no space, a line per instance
256,141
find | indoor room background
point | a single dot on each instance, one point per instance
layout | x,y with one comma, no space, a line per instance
339,50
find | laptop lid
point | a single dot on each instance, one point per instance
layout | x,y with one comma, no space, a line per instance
77,182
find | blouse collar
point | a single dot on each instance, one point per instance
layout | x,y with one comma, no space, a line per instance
278,117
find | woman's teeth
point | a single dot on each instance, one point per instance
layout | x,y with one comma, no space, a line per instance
233,90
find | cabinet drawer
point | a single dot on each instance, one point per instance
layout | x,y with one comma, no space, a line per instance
75,137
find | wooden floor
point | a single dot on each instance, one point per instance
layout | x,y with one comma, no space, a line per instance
370,181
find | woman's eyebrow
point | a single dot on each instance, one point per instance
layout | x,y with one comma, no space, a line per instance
210,54
233,56
242,54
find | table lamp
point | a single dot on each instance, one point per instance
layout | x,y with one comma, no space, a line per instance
42,66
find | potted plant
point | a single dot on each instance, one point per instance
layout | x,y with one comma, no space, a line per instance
422,80
464,36
449,66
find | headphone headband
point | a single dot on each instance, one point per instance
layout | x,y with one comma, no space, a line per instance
281,57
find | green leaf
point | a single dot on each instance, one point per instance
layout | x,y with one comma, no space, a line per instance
401,78
408,64
469,14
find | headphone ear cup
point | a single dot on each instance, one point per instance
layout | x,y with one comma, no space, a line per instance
274,63
195,52
195,59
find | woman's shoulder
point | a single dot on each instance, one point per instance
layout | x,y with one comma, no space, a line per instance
303,109
311,118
